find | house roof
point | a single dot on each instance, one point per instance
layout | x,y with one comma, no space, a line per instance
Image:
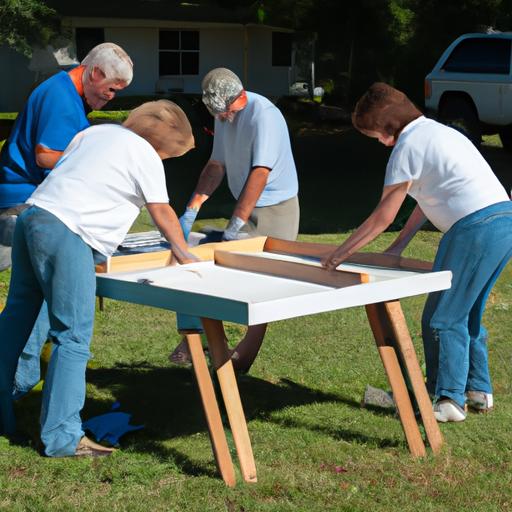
190,10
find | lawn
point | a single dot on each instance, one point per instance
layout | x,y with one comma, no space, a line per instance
315,447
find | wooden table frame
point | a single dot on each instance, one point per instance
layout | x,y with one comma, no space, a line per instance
386,320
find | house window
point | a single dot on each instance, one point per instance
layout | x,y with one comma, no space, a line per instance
179,52
281,49
87,39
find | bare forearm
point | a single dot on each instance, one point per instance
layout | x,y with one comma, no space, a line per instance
373,226
47,158
209,180
412,226
251,192
167,222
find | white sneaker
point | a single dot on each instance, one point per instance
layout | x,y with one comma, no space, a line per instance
448,410
479,401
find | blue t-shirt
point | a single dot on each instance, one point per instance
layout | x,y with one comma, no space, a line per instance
257,137
53,115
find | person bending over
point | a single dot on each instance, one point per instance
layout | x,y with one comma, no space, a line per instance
83,210
55,112
457,191
252,148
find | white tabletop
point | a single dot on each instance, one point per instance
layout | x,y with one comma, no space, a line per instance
208,290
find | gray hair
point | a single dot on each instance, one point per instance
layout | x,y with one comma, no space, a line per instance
112,60
220,88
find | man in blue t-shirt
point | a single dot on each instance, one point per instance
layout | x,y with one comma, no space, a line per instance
252,148
55,112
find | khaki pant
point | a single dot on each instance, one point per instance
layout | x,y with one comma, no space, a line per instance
278,221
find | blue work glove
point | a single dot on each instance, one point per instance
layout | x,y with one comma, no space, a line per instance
187,220
232,229
211,237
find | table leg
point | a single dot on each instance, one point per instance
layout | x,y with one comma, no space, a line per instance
382,335
222,363
397,322
211,410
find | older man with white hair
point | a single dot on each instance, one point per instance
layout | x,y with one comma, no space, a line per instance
55,112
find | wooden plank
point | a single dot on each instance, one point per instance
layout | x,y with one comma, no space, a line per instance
162,258
275,245
402,401
130,262
222,362
404,344
382,332
289,270
211,410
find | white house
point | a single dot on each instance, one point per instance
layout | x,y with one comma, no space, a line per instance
172,44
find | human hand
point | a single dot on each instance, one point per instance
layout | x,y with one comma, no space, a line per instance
234,226
184,258
331,261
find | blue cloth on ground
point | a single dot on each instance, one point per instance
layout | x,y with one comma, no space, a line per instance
110,426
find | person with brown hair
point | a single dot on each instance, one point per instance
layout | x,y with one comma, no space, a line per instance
81,212
457,191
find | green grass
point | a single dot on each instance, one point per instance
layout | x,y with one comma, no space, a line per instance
302,400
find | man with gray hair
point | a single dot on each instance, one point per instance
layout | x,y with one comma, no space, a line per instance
55,112
252,148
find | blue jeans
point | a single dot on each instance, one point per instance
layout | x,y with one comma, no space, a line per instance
28,372
29,369
54,264
475,249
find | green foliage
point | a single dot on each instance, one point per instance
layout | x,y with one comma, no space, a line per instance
27,23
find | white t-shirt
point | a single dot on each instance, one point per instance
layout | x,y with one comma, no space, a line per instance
450,178
98,187
257,137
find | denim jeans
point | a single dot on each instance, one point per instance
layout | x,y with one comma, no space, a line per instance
29,367
54,264
475,249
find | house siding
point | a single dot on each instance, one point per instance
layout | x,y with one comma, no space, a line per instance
247,50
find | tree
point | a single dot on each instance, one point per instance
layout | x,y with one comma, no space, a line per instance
27,23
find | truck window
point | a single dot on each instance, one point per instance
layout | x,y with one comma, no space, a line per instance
480,56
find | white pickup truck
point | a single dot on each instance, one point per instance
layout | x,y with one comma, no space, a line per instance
470,87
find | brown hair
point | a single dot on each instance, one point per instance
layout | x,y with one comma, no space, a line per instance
384,109
164,125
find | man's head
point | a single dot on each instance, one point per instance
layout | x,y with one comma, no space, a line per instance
383,112
108,69
164,125
223,94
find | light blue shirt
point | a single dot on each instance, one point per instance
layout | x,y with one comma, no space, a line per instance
257,137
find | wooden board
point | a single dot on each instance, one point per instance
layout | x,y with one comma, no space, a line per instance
361,258
289,270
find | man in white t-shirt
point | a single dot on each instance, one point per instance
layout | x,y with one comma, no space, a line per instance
83,209
457,191
252,148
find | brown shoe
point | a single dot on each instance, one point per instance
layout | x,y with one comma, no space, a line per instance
88,448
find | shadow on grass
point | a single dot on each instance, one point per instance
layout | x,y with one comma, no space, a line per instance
167,402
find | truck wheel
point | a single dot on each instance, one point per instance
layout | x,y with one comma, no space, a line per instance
506,138
459,113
